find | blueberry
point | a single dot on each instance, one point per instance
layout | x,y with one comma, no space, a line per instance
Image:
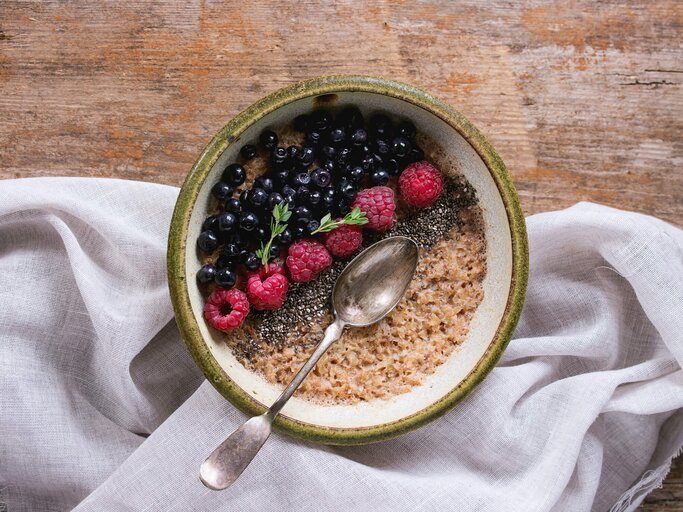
286,237
368,163
383,147
244,198
248,221
302,212
307,155
328,165
312,226
416,154
314,198
206,274
230,251
302,178
207,241
329,151
248,151
293,152
346,189
210,223
225,261
279,155
268,139
242,256
299,231
227,222
351,117
355,173
258,197
226,278
343,156
281,175
328,197
274,251
265,183
380,126
400,147
379,177
406,129
251,261
232,205
321,178
291,202
337,135
262,234
314,138
302,194
221,191
274,199
301,122
321,119
359,136
394,166
234,175
288,191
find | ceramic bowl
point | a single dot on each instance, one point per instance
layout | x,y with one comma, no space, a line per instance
504,284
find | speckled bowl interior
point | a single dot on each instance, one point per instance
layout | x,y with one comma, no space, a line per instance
504,284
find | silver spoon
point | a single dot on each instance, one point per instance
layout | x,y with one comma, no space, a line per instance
365,292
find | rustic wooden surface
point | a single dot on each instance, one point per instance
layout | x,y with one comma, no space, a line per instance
583,100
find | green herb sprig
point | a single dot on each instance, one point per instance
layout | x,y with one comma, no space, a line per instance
278,224
354,217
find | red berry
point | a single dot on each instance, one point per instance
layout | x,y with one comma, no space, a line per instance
378,205
267,288
344,241
307,259
421,184
226,310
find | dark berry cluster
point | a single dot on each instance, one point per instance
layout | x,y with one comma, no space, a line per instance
340,156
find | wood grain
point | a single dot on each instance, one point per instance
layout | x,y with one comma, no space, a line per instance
583,100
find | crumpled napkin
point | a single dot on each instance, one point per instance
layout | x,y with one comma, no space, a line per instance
102,408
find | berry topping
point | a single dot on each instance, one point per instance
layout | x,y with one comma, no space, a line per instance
207,241
221,191
307,259
225,278
421,184
267,287
234,175
225,310
206,274
268,139
248,151
343,241
378,205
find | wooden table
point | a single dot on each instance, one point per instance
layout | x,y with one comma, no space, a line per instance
582,100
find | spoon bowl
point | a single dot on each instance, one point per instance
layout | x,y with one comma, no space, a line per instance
374,282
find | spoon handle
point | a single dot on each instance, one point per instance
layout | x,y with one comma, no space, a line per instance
332,334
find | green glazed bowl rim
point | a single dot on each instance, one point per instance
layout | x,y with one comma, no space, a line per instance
230,133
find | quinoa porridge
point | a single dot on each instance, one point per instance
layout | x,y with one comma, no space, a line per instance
397,353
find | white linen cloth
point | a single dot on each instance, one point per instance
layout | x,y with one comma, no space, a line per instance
582,413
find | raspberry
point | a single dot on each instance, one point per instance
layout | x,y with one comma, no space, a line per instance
307,259
343,241
421,184
378,205
268,293
225,310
